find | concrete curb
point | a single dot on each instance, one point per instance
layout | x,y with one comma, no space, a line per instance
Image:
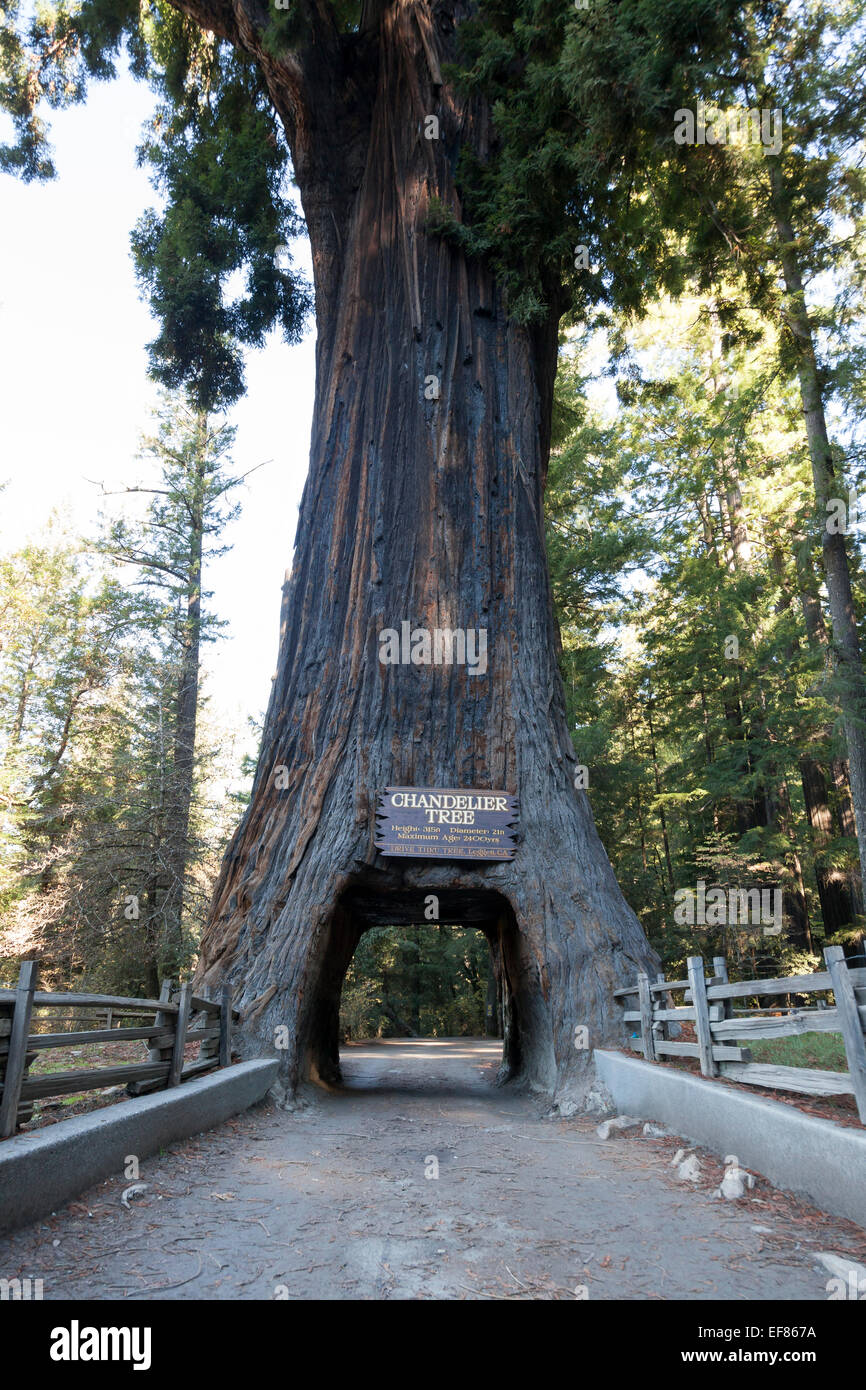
816,1158
42,1170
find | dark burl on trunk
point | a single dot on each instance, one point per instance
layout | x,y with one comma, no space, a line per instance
426,510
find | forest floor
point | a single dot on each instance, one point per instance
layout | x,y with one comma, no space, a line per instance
339,1200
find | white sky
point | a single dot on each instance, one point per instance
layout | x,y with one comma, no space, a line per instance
74,390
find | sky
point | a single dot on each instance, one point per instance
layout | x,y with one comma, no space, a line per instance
75,395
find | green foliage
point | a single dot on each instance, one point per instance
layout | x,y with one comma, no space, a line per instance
219,161
94,650
189,491
681,516
427,981
39,63
583,152
583,104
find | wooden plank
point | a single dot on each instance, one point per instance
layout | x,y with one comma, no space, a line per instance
88,1017
660,1029
697,984
176,1066
208,1006
708,981
191,1070
851,1024
632,1016
720,1053
203,1034
789,1026
159,1035
724,1008
811,1081
661,986
90,1001
786,984
621,993
678,1049
199,1068
210,1044
646,1015
162,1053
675,1015
16,1061
164,1019
63,1083
224,1053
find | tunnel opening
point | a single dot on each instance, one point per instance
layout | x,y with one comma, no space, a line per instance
361,910
432,981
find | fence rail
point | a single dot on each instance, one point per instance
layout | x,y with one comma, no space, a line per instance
176,1019
720,1027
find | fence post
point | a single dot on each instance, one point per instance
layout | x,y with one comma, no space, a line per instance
646,1016
225,1048
662,1031
698,986
182,1019
210,1047
16,1058
156,1054
849,1022
720,970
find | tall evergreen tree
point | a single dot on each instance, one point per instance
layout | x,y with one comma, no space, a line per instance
166,549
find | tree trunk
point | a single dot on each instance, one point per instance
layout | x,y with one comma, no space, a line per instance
833,886
423,508
661,805
846,642
838,890
186,718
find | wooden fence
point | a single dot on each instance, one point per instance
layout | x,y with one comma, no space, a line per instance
167,1024
721,1025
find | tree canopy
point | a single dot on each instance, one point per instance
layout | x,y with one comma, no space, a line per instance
583,150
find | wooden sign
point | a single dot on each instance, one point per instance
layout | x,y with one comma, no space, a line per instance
446,823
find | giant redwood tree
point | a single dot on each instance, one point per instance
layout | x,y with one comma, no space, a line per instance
468,174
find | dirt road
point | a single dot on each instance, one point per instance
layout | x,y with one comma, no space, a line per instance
420,1179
